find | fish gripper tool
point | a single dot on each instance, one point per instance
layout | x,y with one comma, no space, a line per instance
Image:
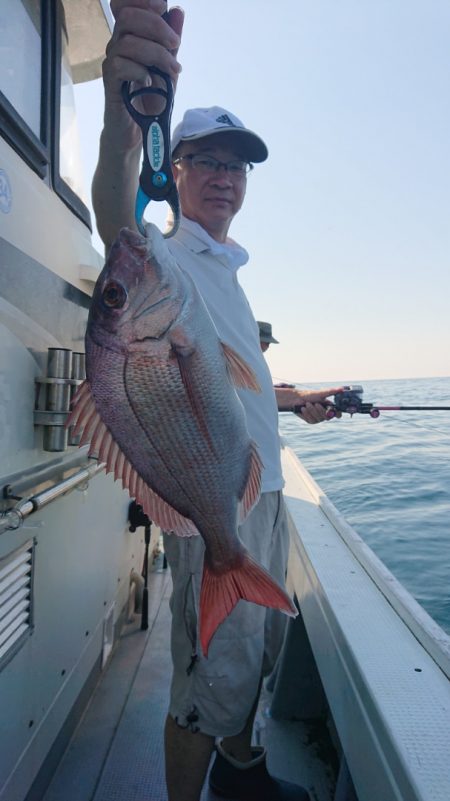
156,181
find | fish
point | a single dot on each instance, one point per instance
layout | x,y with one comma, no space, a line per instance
159,407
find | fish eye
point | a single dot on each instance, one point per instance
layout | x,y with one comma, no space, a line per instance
114,295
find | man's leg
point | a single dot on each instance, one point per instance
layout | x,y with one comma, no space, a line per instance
188,755
239,746
239,771
239,648
187,760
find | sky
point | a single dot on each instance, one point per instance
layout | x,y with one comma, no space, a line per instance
348,222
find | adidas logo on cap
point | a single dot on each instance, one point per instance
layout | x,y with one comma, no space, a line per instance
224,118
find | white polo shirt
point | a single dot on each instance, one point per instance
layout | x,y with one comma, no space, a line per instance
213,267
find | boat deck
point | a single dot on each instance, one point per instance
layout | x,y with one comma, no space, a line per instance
116,752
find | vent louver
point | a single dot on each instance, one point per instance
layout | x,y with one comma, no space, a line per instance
16,585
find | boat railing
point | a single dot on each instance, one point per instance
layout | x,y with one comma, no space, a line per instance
433,638
14,517
381,666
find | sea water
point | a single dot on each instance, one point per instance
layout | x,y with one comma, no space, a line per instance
390,478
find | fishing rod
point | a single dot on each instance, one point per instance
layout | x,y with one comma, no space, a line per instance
350,401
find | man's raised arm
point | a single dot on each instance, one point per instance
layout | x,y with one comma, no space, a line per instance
141,37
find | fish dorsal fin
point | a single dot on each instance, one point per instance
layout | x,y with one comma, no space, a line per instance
86,421
252,489
240,372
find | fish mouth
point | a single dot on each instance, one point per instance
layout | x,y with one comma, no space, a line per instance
133,239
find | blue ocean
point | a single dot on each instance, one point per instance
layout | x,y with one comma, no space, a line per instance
390,478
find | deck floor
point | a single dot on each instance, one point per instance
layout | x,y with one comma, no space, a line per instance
116,753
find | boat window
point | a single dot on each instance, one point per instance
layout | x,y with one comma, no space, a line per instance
37,106
20,58
24,80
67,166
70,162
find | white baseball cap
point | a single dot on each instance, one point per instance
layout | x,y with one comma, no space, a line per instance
200,122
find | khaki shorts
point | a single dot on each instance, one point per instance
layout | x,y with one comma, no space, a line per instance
215,695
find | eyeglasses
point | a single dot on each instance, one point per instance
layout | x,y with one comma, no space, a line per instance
209,164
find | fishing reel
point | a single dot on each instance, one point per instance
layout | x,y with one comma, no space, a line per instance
350,401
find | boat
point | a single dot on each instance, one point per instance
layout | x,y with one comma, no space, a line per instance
359,704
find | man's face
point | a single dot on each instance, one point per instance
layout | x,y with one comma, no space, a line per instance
211,199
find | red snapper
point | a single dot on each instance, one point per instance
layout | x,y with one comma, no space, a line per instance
159,407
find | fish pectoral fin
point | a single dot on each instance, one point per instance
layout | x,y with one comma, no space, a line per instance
252,488
220,593
241,374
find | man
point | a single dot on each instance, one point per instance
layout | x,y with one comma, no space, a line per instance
265,335
212,152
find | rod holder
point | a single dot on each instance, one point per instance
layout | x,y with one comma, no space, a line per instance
53,395
78,374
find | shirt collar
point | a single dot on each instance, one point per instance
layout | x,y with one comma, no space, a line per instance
194,236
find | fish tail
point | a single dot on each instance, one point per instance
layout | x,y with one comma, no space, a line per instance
220,593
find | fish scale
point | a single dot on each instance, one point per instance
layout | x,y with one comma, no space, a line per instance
188,453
